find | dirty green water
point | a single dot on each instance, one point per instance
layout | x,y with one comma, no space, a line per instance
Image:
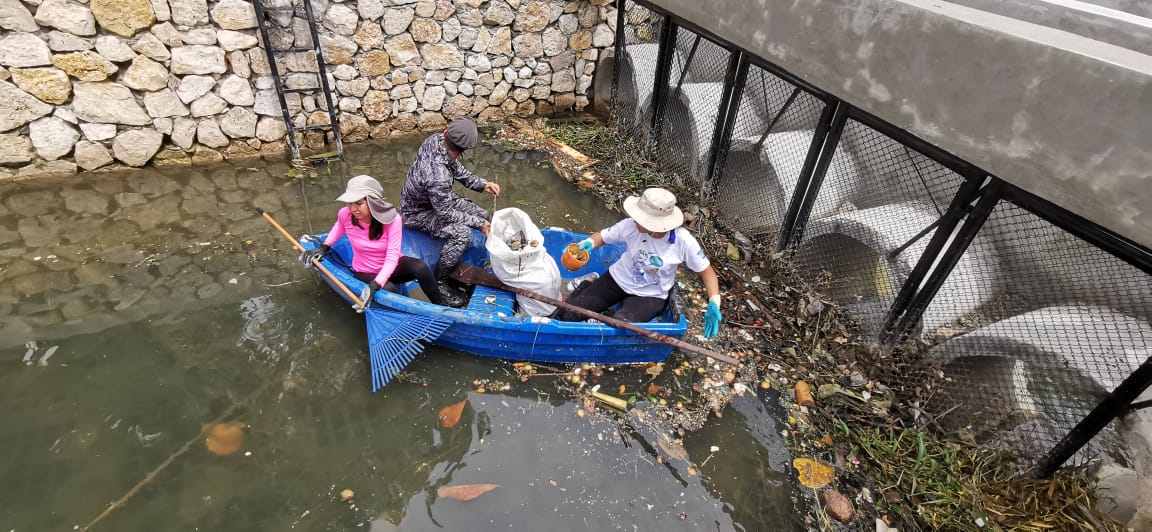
137,307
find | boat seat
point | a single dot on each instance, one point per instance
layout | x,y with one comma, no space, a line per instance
492,301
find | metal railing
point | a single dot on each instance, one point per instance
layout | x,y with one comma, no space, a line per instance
1037,324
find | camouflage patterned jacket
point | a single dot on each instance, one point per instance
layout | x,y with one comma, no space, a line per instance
428,186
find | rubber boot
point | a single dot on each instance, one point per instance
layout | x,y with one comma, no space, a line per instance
452,296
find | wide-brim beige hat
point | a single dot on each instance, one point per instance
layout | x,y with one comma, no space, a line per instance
366,187
655,209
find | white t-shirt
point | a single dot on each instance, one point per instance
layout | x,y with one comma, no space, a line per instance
648,267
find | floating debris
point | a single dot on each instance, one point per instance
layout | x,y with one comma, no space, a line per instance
224,438
450,415
465,492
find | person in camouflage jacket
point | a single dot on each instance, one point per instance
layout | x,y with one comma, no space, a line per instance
427,201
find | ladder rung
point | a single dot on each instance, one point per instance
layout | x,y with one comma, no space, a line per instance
313,128
304,89
294,49
293,8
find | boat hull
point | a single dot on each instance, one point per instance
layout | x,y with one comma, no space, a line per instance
488,325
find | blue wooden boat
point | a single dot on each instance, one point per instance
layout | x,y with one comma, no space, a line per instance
488,324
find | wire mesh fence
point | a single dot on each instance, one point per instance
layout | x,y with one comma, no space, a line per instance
1054,324
866,230
634,77
686,120
771,137
1020,328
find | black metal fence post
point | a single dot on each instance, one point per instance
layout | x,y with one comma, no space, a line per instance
968,192
617,58
824,142
1108,409
951,255
734,81
663,70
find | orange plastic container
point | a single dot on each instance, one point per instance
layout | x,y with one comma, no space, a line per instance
574,258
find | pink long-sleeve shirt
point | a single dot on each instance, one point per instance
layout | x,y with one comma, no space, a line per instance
369,255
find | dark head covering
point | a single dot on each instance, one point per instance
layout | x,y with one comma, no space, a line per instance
462,133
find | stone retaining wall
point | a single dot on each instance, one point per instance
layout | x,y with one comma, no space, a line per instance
85,86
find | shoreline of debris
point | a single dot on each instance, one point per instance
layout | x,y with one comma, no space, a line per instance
863,456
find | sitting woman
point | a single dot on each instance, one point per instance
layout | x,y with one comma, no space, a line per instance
374,230
641,279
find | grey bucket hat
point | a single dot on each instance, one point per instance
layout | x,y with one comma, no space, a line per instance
365,187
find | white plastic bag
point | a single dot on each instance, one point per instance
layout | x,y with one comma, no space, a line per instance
516,248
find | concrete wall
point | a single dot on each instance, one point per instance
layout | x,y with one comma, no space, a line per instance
1053,112
133,82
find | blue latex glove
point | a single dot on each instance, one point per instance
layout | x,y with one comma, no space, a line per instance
367,296
712,317
585,245
314,253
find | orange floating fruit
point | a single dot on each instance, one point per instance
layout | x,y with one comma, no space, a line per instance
224,439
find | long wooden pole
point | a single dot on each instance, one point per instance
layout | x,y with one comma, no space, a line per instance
315,262
467,273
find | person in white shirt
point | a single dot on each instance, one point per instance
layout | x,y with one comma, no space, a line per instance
643,276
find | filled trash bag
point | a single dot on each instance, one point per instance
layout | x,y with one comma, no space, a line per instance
516,249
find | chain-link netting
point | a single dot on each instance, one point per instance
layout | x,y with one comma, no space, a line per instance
1054,325
635,70
866,233
687,115
771,137
1030,328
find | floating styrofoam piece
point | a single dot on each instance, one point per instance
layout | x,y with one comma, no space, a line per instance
854,248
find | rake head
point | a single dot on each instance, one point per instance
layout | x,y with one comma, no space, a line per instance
394,339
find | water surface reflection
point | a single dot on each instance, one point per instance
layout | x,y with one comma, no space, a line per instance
139,307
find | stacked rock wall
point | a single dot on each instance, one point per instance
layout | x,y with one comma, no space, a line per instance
131,82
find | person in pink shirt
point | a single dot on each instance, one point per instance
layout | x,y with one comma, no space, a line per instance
374,230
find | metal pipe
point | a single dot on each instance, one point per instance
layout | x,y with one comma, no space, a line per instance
951,255
779,115
961,204
660,79
322,73
618,55
734,82
818,136
687,65
262,19
813,172
1115,404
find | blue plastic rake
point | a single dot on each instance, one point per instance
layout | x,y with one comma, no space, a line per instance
394,340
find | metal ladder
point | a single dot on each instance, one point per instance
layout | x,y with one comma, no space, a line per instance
322,72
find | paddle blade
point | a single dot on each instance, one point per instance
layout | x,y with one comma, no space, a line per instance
394,339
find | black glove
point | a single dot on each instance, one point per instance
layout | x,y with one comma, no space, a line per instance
367,296
314,253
